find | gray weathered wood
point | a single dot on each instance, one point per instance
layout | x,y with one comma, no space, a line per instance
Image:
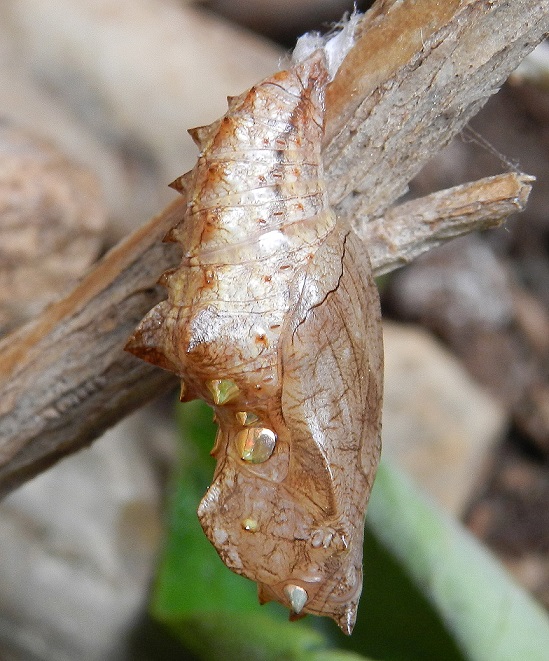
419,71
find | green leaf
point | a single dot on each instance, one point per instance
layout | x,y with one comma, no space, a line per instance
214,612
491,617
220,636
395,620
217,616
191,577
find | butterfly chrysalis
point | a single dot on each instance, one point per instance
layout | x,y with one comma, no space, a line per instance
273,319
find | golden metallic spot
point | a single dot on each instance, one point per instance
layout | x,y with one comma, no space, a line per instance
255,444
223,390
250,524
246,418
297,597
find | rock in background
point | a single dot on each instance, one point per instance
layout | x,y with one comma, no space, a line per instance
96,101
487,298
116,85
52,224
78,547
439,425
113,87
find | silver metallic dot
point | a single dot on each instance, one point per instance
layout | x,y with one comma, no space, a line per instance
255,444
297,597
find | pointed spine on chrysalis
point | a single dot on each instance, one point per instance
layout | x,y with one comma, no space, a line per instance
272,318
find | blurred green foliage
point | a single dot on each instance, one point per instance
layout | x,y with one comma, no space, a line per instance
216,615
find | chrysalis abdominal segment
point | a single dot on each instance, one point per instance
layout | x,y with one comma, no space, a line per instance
273,319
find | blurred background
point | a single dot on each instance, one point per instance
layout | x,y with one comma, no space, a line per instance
96,98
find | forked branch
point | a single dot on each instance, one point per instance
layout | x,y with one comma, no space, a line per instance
417,73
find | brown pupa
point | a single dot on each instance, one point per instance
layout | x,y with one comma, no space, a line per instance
273,319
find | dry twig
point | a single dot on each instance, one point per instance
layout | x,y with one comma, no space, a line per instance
417,73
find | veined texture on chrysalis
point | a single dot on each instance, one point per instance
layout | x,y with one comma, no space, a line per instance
273,319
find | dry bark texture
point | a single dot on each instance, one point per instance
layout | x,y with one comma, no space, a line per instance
417,73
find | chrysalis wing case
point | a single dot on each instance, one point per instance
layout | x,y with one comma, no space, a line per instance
273,319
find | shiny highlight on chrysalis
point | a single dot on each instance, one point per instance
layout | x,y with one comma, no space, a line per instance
256,444
273,318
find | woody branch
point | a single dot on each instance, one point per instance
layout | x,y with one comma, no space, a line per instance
417,73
